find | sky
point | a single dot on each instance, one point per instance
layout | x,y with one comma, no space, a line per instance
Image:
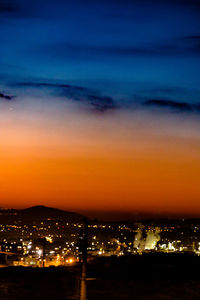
100,105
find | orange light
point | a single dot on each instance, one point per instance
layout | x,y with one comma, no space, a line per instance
69,261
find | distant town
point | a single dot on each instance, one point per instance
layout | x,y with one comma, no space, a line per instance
41,237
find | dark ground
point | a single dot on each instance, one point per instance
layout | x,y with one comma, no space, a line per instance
150,276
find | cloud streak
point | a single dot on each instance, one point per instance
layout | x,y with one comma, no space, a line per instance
83,95
178,106
183,46
96,101
6,97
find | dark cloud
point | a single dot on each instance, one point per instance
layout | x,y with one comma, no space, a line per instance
93,100
193,37
195,3
80,94
178,106
88,52
7,6
181,46
6,97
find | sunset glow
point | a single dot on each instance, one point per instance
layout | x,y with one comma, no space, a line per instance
100,115
122,161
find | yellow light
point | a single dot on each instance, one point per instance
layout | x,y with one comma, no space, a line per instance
69,261
49,239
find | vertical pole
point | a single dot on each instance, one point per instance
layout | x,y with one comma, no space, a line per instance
83,283
44,253
84,262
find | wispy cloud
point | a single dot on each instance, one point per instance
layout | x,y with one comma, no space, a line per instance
168,99
6,97
83,95
182,46
173,105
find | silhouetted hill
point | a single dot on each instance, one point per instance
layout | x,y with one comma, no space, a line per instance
39,212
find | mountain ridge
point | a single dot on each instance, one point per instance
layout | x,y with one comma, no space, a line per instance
41,212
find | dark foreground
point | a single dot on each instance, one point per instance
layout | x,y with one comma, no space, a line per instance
150,276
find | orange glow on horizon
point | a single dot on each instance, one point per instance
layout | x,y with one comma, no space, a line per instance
103,165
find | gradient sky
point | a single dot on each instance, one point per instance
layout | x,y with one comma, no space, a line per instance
100,105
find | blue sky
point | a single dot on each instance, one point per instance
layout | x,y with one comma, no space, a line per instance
100,104
128,50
